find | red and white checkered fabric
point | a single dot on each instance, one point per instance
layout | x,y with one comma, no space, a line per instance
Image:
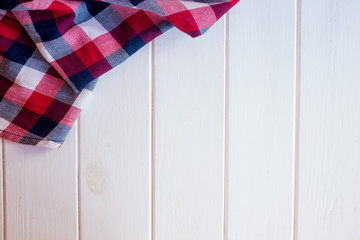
52,52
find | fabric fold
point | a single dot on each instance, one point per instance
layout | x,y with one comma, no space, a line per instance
52,52
84,39
36,106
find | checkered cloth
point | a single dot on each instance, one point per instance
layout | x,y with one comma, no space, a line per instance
52,52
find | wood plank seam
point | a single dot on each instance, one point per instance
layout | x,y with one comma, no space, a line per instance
226,129
152,76
296,127
78,178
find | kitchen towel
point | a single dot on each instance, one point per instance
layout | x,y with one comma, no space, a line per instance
53,51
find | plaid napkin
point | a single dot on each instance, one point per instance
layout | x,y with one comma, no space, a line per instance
52,52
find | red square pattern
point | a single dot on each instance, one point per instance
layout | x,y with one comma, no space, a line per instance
204,17
38,103
99,68
150,33
184,21
57,110
59,70
10,28
49,86
89,54
174,7
71,64
124,11
76,37
123,33
107,44
155,18
18,94
71,116
59,9
5,44
139,21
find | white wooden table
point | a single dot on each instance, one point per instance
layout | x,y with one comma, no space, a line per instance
248,132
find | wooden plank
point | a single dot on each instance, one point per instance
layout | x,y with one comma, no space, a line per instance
329,161
261,109
115,154
41,191
189,128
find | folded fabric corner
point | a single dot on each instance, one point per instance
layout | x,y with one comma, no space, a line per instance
52,52
37,107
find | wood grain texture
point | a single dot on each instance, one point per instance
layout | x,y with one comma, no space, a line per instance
115,154
41,191
261,82
329,161
189,128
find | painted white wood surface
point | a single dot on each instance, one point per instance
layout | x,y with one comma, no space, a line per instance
189,129
195,138
115,154
261,82
329,160
41,191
